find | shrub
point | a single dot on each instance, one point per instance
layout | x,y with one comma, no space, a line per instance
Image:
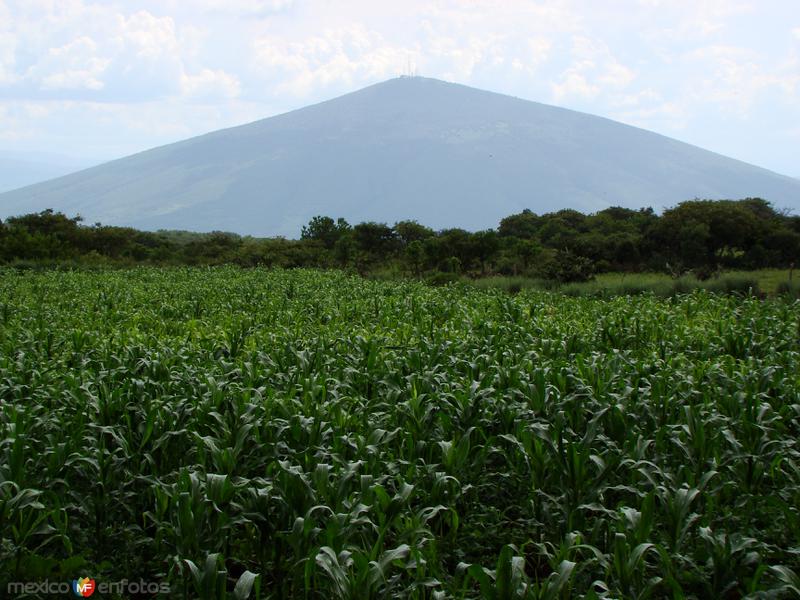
566,267
442,278
729,284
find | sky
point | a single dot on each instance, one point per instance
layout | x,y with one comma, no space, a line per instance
95,80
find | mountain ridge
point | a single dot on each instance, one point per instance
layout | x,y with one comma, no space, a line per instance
21,169
407,148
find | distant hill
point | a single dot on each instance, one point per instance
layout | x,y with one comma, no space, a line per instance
21,169
409,148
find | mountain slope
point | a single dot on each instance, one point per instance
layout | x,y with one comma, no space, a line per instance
409,148
21,169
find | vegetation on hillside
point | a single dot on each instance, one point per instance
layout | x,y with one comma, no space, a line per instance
253,433
698,236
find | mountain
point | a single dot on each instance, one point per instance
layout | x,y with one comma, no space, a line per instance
409,148
21,169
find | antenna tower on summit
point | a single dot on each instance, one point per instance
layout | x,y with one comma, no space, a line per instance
410,70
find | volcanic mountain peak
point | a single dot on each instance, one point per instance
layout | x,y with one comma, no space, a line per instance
444,154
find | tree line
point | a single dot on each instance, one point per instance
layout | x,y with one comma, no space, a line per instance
701,236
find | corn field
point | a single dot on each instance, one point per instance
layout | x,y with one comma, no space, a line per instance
304,434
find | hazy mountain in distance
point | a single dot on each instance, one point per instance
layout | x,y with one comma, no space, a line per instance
409,148
18,169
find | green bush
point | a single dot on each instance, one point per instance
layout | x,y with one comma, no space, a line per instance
730,284
440,278
566,267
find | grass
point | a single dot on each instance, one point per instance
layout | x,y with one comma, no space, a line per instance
302,434
766,281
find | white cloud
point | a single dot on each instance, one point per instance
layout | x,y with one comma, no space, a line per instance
574,84
73,66
645,96
106,54
37,110
510,16
210,84
682,20
594,70
617,75
7,58
733,78
654,113
147,61
147,36
343,56
539,51
461,57
243,7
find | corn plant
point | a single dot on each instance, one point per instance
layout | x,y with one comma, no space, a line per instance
305,434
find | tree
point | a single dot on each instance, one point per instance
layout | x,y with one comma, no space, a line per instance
415,256
345,249
214,248
524,225
706,233
325,230
376,239
411,231
484,246
450,243
515,256
45,235
565,267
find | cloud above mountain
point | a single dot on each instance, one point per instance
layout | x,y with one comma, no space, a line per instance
723,74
